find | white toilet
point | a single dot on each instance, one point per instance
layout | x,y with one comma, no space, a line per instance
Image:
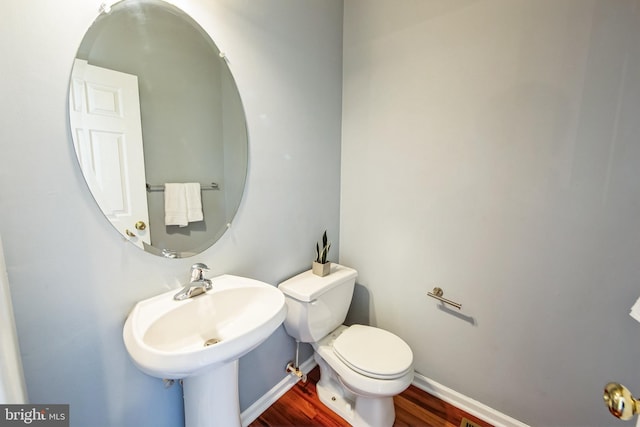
361,367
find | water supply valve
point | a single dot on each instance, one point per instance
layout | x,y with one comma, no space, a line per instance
295,370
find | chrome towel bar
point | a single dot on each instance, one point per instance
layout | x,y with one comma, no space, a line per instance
212,186
437,294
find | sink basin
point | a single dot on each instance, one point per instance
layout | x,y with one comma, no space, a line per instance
177,339
200,339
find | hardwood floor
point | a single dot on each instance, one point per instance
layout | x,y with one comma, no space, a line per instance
300,406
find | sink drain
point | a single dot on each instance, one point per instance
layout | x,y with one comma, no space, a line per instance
211,341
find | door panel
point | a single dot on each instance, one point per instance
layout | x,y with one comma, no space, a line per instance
104,110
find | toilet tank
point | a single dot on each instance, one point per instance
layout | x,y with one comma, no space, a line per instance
317,305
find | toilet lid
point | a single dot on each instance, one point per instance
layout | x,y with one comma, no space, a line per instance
373,352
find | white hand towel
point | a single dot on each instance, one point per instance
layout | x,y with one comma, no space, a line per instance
194,202
635,310
175,204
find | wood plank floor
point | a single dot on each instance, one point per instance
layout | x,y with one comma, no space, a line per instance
300,406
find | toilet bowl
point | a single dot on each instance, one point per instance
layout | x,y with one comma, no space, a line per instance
360,386
361,367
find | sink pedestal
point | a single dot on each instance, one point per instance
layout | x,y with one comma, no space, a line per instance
211,397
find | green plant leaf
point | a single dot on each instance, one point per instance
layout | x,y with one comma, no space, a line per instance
321,255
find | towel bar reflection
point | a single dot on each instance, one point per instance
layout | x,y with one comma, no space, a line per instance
153,188
437,294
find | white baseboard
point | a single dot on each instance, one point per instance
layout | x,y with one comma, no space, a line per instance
432,387
465,403
250,414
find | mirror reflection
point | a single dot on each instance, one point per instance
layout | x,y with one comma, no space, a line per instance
158,127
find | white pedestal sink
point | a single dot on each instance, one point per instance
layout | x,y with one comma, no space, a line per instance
200,340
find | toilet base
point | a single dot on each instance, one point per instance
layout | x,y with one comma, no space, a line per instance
357,410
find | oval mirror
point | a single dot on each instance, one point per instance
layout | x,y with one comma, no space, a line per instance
158,127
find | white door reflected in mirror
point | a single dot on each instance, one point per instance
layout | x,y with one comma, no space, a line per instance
104,113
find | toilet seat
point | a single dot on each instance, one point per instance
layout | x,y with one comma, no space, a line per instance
373,352
362,384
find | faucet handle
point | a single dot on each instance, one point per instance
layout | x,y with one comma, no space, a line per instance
197,271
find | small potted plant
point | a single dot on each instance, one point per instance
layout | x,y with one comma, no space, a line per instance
322,267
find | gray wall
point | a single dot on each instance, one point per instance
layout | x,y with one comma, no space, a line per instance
491,148
74,279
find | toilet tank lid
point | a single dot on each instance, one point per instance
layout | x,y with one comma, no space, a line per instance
307,287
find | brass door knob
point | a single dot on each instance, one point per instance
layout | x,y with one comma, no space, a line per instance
619,400
140,225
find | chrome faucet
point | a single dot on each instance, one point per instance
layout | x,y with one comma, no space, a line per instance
198,284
